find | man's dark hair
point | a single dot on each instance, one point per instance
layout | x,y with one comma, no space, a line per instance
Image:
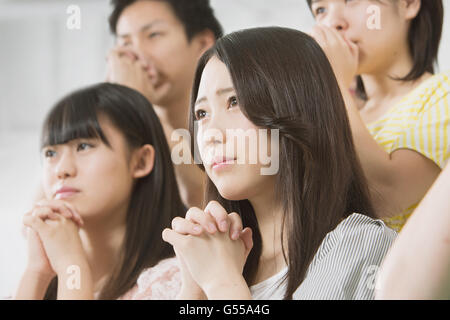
195,15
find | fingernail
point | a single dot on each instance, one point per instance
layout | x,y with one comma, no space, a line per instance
197,229
235,235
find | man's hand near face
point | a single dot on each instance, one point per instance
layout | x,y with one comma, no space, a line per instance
125,68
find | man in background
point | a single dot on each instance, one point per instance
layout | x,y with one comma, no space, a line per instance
158,44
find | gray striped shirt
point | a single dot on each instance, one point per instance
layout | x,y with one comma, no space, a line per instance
344,267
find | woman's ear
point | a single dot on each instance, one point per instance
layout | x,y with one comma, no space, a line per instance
411,8
143,161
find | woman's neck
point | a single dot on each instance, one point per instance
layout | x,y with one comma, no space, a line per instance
381,85
269,216
102,241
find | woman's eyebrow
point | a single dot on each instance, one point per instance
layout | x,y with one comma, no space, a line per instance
202,99
219,92
223,91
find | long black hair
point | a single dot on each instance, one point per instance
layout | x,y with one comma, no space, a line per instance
283,80
155,199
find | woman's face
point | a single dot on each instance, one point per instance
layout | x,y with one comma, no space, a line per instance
94,178
378,27
231,147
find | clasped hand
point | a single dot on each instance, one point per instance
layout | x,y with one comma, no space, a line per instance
212,248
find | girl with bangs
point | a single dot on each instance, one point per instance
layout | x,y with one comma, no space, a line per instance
110,191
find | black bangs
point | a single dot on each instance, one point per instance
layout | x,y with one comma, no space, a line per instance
74,117
154,199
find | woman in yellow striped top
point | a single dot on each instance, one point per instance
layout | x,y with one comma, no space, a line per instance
402,133
419,122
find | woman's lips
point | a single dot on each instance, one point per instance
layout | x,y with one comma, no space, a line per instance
65,192
219,164
65,195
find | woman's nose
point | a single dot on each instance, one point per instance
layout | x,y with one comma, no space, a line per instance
336,20
65,167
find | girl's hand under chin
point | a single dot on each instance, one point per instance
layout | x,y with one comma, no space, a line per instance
54,242
214,260
342,53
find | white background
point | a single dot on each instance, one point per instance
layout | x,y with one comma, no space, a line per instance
41,60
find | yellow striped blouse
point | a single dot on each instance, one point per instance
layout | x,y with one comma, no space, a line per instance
421,122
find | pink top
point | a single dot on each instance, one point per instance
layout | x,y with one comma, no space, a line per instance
161,282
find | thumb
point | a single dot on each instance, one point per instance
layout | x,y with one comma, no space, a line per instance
24,228
247,237
34,223
173,238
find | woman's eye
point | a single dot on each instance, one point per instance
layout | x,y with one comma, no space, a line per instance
124,42
154,34
319,11
84,146
49,153
232,102
200,114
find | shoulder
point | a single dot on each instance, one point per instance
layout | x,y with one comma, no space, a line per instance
359,231
440,82
425,121
358,237
357,222
160,282
347,261
432,91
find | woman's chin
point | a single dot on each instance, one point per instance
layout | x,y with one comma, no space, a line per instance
231,194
